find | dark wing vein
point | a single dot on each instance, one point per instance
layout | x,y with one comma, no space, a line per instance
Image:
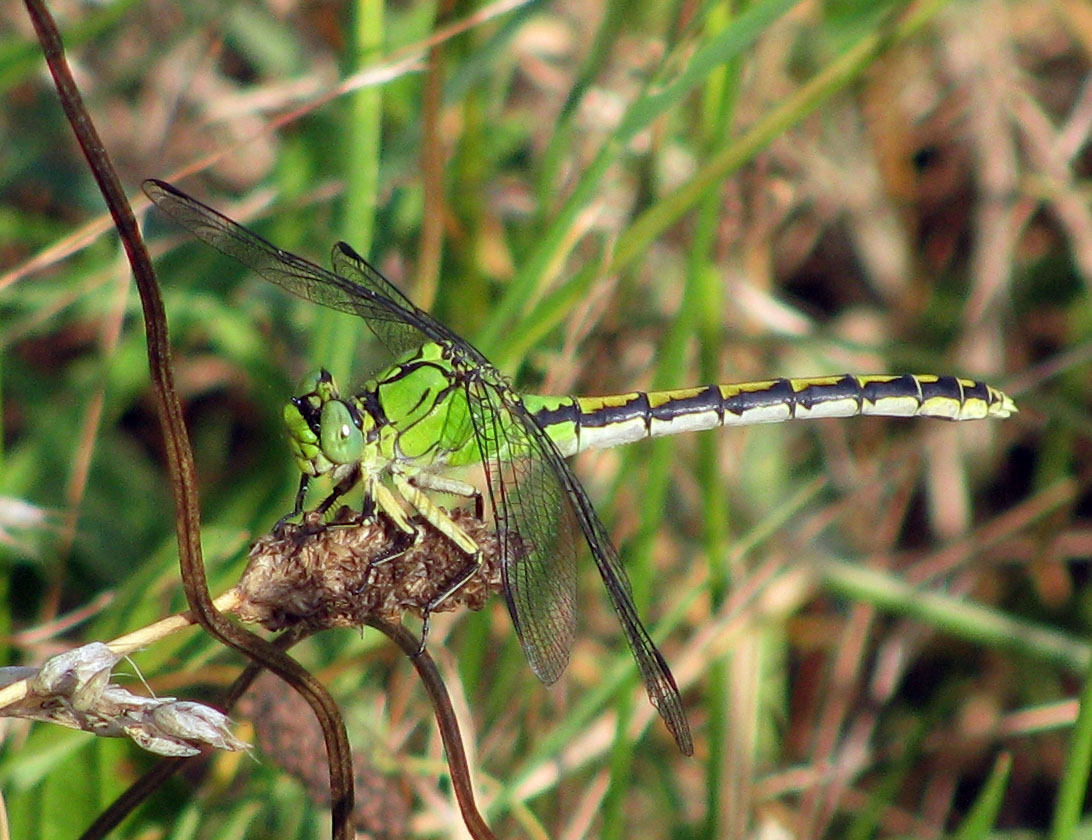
659,682
397,334
536,529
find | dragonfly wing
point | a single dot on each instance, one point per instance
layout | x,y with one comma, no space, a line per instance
537,529
659,682
535,494
398,323
399,336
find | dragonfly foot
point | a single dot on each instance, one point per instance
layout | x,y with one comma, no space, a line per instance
457,582
424,633
400,543
282,523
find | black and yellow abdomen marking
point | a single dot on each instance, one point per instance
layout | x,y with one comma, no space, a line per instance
579,423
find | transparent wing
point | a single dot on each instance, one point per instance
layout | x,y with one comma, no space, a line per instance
399,324
399,336
530,507
535,495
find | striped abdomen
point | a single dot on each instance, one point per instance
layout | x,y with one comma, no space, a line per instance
579,423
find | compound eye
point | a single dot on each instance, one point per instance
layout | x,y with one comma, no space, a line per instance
341,441
309,384
318,383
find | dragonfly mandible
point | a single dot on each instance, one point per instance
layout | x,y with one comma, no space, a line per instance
441,405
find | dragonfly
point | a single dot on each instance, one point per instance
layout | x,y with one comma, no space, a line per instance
440,405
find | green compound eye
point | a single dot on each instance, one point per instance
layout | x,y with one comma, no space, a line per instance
309,383
342,442
319,384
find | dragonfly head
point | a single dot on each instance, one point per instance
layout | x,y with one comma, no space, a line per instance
324,430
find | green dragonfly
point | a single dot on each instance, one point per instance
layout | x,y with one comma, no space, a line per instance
441,405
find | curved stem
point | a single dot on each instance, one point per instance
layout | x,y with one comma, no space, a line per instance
179,456
446,720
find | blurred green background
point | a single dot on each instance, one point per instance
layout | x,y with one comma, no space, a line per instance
867,618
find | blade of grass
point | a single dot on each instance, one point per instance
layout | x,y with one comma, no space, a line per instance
839,73
982,819
1069,805
707,292
730,44
961,618
336,335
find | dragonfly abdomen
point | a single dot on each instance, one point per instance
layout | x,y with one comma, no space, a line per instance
579,423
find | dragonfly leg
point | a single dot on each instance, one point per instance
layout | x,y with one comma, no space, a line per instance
346,483
401,542
378,498
301,493
383,499
297,508
473,563
443,523
312,521
444,484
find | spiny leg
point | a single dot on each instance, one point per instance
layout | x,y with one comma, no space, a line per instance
378,498
314,520
346,483
443,523
297,508
401,542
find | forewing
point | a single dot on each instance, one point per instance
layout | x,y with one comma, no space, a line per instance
536,495
396,322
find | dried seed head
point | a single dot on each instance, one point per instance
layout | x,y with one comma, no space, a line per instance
341,573
73,689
